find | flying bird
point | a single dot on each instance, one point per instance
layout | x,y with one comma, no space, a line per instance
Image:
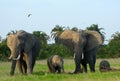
29,15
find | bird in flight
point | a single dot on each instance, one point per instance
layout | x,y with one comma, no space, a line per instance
29,15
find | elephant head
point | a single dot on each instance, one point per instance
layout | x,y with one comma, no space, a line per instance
80,42
22,43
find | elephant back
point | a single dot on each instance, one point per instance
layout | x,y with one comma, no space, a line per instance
70,35
57,60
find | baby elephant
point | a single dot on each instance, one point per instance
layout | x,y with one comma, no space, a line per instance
55,64
104,66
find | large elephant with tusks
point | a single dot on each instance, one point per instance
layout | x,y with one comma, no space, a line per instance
24,50
83,41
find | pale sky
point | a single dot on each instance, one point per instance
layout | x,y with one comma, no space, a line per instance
48,13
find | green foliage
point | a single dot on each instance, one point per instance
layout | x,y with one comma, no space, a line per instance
4,51
96,28
116,36
102,52
56,31
43,37
52,49
112,50
75,29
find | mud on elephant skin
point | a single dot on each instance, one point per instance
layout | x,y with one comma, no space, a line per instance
24,50
55,64
86,42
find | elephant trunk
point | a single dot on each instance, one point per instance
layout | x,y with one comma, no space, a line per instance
13,67
15,57
10,57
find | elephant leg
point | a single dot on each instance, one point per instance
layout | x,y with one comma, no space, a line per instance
19,65
13,67
29,63
91,57
50,67
77,63
33,61
24,67
84,65
53,70
91,62
62,69
48,64
59,70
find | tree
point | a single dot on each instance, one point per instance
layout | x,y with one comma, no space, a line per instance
42,36
75,29
96,28
56,31
4,50
116,36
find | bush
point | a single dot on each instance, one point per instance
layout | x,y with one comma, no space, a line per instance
112,50
4,51
102,52
52,49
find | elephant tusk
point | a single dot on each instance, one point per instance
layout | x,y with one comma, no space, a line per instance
74,56
17,57
10,57
82,56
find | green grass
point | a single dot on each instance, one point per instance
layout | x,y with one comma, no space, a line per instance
41,73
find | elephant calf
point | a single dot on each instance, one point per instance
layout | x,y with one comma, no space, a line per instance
55,64
105,66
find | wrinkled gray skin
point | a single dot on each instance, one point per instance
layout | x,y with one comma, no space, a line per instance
55,64
24,50
86,42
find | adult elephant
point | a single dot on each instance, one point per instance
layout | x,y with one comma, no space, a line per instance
86,42
24,50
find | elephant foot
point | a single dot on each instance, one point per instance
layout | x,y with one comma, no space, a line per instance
30,72
92,71
75,72
11,73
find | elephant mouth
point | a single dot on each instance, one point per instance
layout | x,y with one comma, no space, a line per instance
17,58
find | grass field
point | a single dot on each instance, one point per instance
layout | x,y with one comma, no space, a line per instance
41,72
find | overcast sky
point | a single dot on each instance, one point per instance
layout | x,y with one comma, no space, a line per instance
48,13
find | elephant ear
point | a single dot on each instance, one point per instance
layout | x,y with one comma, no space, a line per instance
94,39
27,40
